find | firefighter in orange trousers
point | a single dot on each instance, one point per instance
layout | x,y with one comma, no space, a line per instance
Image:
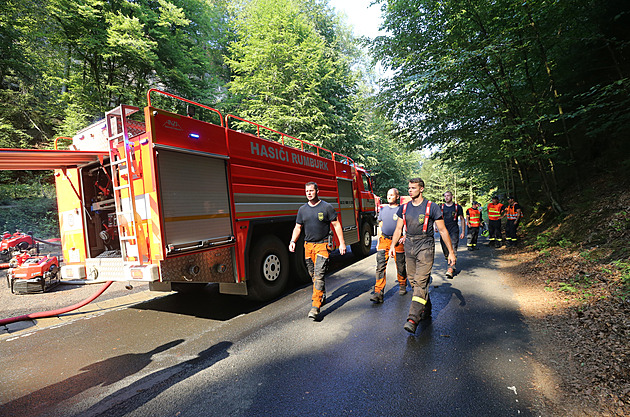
387,220
473,221
316,217
495,214
420,216
513,214
452,213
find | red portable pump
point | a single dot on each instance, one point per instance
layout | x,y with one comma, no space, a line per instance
33,274
17,241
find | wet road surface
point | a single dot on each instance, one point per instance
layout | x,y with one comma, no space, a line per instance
217,355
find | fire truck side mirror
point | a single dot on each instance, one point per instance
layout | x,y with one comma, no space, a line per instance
190,110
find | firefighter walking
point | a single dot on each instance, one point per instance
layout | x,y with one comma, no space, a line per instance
495,214
316,217
420,216
473,221
513,214
452,213
387,219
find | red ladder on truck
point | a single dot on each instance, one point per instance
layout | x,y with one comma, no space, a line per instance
124,171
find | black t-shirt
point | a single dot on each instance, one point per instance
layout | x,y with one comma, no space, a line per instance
316,221
414,216
451,217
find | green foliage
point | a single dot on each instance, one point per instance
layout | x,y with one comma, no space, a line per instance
564,243
290,75
499,86
29,207
543,240
578,285
624,269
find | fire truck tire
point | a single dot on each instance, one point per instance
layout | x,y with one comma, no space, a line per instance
299,271
268,269
362,248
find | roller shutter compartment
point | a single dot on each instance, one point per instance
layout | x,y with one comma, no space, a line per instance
195,202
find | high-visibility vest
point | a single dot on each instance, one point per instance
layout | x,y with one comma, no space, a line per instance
474,217
425,225
511,212
494,211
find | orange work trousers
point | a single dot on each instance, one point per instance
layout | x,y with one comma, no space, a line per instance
382,257
316,258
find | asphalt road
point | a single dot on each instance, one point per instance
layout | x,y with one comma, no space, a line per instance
217,355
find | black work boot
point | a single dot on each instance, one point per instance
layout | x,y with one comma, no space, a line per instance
410,326
377,297
313,313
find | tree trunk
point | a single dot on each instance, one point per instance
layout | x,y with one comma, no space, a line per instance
524,182
556,96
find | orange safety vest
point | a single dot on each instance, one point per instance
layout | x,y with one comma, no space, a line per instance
474,217
494,211
425,225
511,212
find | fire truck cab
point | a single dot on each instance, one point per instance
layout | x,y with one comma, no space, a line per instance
179,202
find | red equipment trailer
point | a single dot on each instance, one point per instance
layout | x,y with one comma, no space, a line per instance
170,199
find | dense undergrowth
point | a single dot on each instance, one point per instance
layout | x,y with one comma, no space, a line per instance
582,261
29,207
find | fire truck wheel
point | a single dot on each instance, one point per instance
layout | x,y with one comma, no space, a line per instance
363,247
268,269
299,271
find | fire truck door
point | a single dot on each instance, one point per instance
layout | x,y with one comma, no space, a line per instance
195,201
348,211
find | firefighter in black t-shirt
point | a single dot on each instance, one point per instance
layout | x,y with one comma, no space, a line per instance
453,215
419,217
316,217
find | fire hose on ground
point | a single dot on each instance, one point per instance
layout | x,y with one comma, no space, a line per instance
57,312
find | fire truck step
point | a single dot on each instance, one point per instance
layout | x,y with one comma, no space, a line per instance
131,237
121,187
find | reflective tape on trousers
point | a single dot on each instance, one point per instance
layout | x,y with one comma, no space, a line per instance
418,299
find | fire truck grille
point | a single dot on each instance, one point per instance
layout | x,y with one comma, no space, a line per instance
210,266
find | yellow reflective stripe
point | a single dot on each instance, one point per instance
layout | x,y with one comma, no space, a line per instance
418,300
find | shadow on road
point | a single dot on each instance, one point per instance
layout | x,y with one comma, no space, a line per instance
150,386
210,304
344,294
101,373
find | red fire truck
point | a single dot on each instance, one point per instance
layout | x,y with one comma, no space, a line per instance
179,202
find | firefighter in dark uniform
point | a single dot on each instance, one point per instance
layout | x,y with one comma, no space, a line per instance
387,220
316,217
473,221
420,216
452,213
513,214
495,214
